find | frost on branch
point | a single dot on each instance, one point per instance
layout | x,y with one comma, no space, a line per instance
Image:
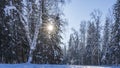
7,9
24,16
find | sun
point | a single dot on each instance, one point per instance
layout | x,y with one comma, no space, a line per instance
50,27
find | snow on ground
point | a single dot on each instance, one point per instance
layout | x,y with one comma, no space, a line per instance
51,66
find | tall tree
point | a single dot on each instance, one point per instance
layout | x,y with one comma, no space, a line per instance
115,41
106,41
24,15
96,17
82,44
73,49
13,30
90,47
50,40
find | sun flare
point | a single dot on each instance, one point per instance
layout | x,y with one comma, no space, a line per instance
50,27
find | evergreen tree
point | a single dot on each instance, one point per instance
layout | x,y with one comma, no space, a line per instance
115,41
96,17
12,30
90,48
48,50
106,41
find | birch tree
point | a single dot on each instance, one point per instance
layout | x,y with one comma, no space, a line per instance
24,15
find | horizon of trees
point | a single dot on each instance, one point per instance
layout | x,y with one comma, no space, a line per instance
24,37
94,44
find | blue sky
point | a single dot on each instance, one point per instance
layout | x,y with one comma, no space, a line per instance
79,10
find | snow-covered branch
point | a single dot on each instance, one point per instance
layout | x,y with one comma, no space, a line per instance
25,20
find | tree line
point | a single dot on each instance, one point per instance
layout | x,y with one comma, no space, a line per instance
94,44
24,37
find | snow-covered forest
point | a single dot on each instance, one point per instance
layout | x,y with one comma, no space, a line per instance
96,43
31,32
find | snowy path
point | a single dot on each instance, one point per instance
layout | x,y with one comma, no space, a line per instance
50,66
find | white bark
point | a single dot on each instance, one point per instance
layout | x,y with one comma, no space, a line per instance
32,41
24,18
